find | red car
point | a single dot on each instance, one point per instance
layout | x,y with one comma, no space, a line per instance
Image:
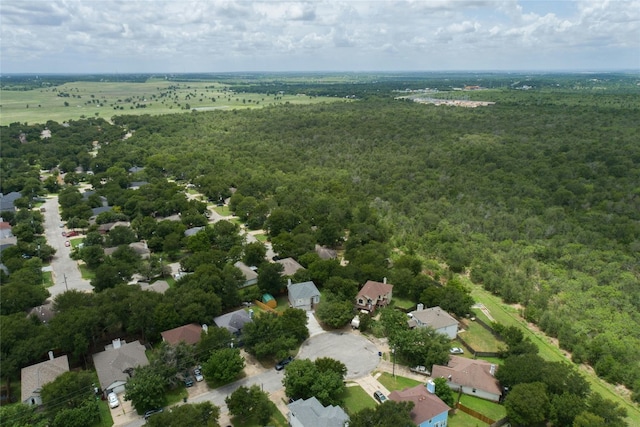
72,233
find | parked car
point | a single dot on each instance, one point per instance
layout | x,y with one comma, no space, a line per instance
197,373
67,243
153,412
379,396
456,350
420,370
72,233
113,400
284,362
188,381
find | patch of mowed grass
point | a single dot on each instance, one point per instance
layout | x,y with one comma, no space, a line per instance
356,399
78,100
397,383
479,338
462,419
493,410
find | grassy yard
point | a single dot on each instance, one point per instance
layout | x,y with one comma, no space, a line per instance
461,419
492,410
47,279
479,338
356,399
261,237
397,383
403,303
86,273
105,415
222,210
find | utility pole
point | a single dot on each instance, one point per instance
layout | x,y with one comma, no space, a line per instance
393,354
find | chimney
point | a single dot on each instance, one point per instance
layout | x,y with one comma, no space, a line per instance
288,282
384,280
431,387
420,307
116,343
492,370
51,355
205,328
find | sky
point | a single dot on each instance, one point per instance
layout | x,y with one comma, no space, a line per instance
184,36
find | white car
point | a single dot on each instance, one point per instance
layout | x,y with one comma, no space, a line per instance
456,350
113,400
198,374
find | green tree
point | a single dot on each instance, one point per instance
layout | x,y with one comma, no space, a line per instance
77,387
588,419
565,408
86,414
444,392
527,404
389,413
146,389
200,414
323,379
270,278
223,366
214,339
334,312
21,415
254,253
249,402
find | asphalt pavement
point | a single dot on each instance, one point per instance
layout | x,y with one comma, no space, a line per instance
65,272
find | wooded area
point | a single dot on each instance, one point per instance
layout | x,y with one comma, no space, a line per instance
537,197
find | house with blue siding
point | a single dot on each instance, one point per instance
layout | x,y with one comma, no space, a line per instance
428,409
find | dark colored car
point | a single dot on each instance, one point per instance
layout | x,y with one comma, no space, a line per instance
284,362
188,381
152,412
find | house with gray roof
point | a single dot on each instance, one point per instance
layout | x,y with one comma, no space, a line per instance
303,295
7,200
116,363
33,377
234,321
249,273
311,413
290,266
436,318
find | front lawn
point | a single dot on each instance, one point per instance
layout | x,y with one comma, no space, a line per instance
397,383
86,273
356,399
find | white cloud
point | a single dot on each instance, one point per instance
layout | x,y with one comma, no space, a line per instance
135,35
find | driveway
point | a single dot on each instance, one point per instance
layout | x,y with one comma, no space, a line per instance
65,272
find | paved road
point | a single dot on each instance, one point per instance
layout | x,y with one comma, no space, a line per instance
62,265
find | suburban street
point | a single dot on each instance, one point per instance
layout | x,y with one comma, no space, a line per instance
65,272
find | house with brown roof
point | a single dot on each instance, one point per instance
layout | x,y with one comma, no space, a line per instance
374,295
428,409
434,317
290,266
189,334
473,376
116,363
33,377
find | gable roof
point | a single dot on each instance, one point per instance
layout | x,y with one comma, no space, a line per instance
425,405
248,272
469,373
6,201
233,321
290,266
304,290
435,317
112,363
326,253
375,289
190,334
191,231
33,377
311,413
159,286
43,312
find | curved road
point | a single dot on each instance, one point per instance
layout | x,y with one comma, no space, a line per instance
62,266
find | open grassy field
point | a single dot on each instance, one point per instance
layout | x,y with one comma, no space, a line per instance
509,316
73,101
356,399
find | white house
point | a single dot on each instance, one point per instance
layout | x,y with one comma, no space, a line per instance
303,295
436,318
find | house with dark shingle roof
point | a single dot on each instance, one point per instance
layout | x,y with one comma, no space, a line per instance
7,200
428,409
436,318
474,377
311,413
374,295
116,363
189,334
290,266
249,273
33,377
233,321
303,295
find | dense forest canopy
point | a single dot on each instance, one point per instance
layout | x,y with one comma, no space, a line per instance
536,198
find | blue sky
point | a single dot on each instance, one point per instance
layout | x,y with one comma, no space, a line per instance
106,36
